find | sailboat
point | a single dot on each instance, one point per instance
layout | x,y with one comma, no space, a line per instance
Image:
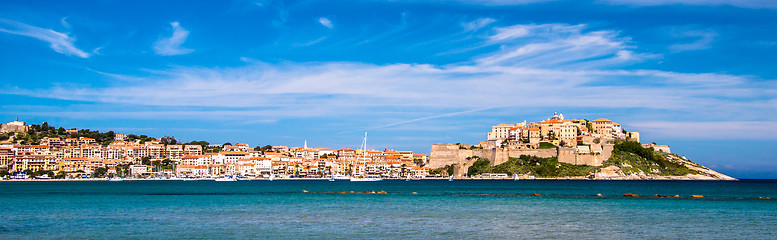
515,177
365,179
450,179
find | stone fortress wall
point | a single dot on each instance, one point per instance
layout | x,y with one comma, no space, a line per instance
444,154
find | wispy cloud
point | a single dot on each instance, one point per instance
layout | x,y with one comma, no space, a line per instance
172,45
325,22
318,40
484,2
477,24
723,130
559,45
64,22
704,40
541,66
736,3
59,42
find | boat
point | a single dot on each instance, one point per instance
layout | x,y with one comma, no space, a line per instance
515,177
115,179
339,177
19,176
43,177
272,177
225,179
450,179
242,178
366,179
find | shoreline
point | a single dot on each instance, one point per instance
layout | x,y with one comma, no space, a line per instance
668,178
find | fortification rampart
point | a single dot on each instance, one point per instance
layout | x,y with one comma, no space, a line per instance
444,154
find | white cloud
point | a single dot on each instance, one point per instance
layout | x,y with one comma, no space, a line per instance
59,42
64,23
325,22
544,66
771,4
477,24
722,130
559,45
705,38
172,45
485,2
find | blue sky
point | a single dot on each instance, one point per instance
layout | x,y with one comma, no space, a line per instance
698,75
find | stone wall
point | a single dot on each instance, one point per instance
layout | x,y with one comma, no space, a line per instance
4,128
658,148
444,154
570,155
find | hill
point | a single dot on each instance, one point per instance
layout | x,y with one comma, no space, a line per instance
629,160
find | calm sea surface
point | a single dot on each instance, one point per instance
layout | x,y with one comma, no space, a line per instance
479,209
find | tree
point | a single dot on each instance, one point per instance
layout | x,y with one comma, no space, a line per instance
99,172
266,148
227,144
201,143
168,140
146,160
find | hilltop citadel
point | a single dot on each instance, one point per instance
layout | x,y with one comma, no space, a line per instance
569,141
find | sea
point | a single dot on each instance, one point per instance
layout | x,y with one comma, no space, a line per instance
424,209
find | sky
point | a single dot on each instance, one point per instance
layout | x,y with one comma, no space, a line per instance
697,75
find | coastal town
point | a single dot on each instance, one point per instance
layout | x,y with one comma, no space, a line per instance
46,152
130,156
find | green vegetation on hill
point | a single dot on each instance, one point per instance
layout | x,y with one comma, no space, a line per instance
37,132
540,167
544,145
631,158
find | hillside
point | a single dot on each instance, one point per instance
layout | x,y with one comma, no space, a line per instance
629,161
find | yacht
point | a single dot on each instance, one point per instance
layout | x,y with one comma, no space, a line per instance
340,177
225,179
365,179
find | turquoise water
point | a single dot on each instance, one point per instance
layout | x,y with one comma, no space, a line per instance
479,209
